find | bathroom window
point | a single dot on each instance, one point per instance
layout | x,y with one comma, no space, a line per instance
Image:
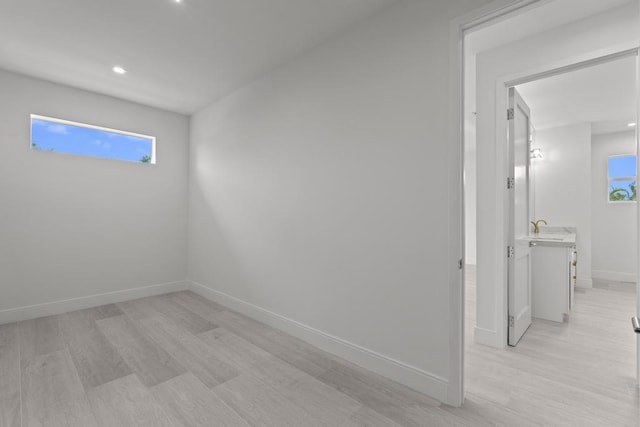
62,136
622,175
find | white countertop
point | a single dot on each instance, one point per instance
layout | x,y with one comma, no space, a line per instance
554,236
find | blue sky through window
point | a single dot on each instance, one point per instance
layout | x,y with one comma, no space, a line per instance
621,171
622,166
63,137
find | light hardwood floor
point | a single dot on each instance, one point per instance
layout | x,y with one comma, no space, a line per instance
181,360
579,373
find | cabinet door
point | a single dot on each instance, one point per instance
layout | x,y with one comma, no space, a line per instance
550,285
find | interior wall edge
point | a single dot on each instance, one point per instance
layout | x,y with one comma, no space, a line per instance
411,376
64,306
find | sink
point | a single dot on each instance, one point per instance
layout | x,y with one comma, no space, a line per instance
556,238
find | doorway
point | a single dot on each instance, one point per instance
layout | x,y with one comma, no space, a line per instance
582,181
490,325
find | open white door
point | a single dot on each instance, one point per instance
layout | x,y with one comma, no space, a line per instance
518,252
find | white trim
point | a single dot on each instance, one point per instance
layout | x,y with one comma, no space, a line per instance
64,306
88,126
614,276
396,370
485,337
455,157
493,12
574,66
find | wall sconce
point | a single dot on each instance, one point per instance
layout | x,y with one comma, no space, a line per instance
536,153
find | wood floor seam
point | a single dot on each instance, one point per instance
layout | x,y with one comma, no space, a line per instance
191,362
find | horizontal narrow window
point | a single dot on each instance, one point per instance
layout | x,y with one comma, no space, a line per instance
63,136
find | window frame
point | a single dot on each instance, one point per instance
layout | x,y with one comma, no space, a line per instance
94,127
622,178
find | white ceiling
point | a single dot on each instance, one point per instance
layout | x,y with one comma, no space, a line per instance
603,94
179,56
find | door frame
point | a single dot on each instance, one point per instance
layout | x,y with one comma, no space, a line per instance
459,28
502,93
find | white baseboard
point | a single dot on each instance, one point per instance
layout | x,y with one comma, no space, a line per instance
64,306
486,337
584,283
613,276
418,379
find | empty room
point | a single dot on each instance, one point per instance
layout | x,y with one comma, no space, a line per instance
252,213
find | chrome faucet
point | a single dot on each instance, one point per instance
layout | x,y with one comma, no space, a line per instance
536,225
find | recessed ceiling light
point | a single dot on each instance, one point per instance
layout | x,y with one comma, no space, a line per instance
178,1
631,124
119,70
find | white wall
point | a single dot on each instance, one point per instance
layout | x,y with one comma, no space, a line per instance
320,194
614,224
606,33
73,227
562,193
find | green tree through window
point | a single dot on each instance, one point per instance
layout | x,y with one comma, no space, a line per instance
622,178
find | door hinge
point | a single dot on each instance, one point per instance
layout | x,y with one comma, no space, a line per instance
511,183
460,264
512,322
510,251
510,114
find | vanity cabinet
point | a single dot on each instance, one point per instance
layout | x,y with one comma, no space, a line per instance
553,280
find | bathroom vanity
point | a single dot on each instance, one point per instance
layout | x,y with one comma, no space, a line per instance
553,273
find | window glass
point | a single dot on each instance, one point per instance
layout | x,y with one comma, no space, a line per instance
62,136
623,185
622,166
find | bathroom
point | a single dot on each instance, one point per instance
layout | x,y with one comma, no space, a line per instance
582,169
576,180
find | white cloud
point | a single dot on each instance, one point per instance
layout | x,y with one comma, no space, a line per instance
58,128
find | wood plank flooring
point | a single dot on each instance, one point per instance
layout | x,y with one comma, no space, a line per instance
181,360
579,373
